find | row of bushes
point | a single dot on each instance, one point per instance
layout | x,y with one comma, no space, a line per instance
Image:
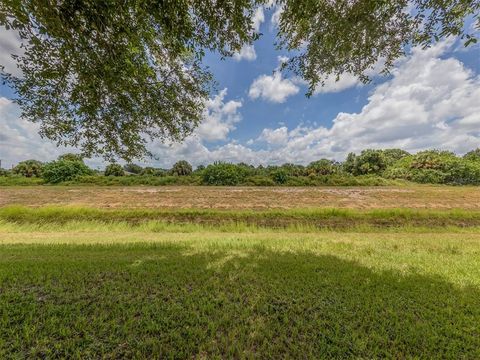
370,167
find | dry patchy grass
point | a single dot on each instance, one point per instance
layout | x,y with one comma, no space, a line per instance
254,198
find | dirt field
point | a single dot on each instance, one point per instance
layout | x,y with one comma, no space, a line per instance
417,197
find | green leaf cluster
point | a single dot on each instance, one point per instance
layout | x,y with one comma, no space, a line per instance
114,170
29,168
221,173
181,168
436,167
64,170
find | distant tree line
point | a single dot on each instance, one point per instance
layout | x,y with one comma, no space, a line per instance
370,167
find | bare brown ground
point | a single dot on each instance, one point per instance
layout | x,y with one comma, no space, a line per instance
417,197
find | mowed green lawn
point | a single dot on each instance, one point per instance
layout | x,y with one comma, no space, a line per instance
117,290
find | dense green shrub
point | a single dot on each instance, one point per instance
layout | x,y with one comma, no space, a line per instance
361,180
323,167
4,172
200,168
151,171
147,180
246,166
181,168
29,168
64,170
293,169
300,181
280,176
269,170
71,157
349,164
432,159
341,179
391,156
436,167
221,173
473,155
114,170
368,162
260,170
133,168
259,180
249,170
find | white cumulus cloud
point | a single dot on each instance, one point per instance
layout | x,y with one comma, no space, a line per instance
219,118
9,45
332,85
258,19
247,52
275,137
273,88
19,139
430,102
277,12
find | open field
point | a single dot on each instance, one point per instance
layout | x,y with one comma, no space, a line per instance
251,198
152,275
101,292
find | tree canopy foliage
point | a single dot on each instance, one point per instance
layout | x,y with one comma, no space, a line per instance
343,36
133,168
71,157
181,168
107,76
473,155
29,168
114,170
62,170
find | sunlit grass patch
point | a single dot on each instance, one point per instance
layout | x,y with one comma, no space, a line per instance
287,218
194,283
268,295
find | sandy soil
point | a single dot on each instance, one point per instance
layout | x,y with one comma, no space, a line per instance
438,197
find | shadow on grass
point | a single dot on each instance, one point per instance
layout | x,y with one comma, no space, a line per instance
169,301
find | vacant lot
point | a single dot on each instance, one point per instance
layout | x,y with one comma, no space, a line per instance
252,198
284,273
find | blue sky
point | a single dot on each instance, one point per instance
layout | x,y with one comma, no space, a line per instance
238,75
257,115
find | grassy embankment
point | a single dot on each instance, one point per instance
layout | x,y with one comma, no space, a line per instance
195,180
301,283
232,220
